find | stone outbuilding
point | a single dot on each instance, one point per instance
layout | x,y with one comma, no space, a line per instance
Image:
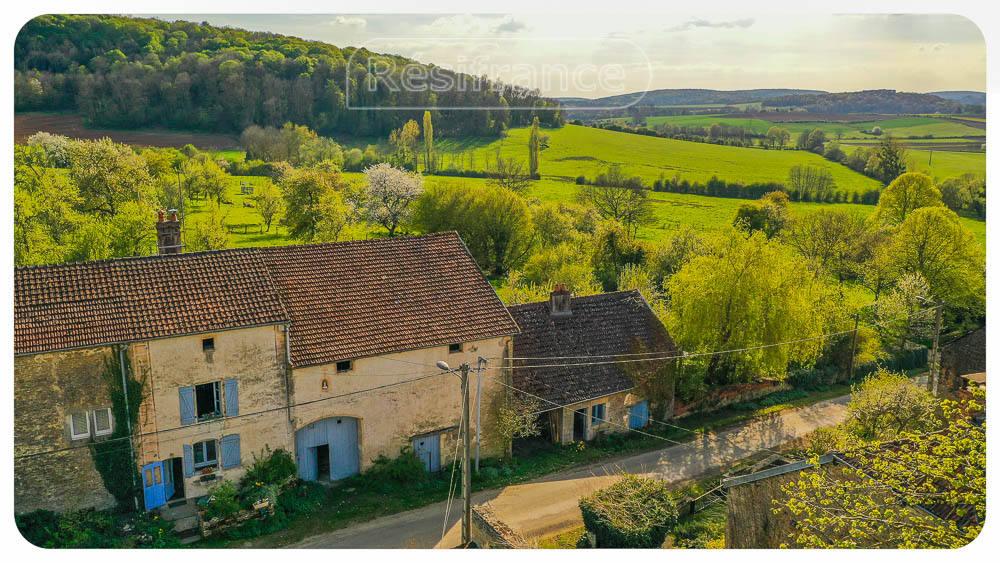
566,356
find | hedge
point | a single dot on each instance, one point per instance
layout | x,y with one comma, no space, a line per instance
635,512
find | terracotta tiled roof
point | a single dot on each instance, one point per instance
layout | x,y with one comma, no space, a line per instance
341,300
364,298
86,304
608,324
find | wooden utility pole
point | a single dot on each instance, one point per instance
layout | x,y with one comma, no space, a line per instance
932,381
854,346
466,461
479,405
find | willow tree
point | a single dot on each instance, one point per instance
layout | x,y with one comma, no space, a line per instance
749,294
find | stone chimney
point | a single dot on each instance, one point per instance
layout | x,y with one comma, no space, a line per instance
560,301
168,233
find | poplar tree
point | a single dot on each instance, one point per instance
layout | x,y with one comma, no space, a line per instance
428,142
534,144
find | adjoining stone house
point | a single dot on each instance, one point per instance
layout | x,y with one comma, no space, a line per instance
325,350
965,356
751,522
558,335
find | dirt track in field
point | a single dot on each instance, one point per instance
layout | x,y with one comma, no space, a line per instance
71,125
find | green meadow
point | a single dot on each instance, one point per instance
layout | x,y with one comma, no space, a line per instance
942,165
898,127
577,150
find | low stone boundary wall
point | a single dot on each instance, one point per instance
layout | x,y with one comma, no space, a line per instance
728,395
489,532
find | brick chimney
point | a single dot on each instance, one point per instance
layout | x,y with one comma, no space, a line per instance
560,301
168,233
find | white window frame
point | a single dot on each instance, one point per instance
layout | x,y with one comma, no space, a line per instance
218,412
111,422
86,416
201,446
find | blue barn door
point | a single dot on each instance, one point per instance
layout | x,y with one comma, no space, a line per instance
343,440
153,489
428,449
638,415
334,438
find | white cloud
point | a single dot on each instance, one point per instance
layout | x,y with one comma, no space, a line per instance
740,23
349,21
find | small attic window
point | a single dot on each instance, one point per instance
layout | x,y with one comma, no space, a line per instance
345,366
454,348
207,344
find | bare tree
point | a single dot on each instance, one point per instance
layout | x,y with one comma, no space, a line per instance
509,173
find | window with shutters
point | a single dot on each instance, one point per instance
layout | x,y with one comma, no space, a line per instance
208,403
79,425
102,422
206,454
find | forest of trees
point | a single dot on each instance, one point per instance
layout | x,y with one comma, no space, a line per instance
872,101
131,72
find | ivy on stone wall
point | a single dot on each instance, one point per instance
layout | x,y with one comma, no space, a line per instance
113,456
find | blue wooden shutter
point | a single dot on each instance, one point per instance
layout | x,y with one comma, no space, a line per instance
188,460
188,415
232,397
231,451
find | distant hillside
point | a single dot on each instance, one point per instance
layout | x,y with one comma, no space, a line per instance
129,73
963,96
867,101
687,96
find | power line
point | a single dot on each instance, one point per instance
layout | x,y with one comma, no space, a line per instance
593,417
265,411
672,355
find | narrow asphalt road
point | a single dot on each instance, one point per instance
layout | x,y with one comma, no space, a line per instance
549,504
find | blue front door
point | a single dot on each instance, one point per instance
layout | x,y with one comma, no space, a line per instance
153,488
638,415
428,449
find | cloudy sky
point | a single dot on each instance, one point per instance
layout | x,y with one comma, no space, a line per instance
593,55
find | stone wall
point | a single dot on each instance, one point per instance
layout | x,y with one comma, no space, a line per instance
48,388
729,395
489,532
389,417
616,416
961,357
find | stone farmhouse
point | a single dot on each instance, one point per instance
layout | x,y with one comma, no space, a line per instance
325,350
559,335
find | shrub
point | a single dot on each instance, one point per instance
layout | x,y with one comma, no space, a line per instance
701,530
303,498
223,501
271,468
96,529
405,469
634,512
